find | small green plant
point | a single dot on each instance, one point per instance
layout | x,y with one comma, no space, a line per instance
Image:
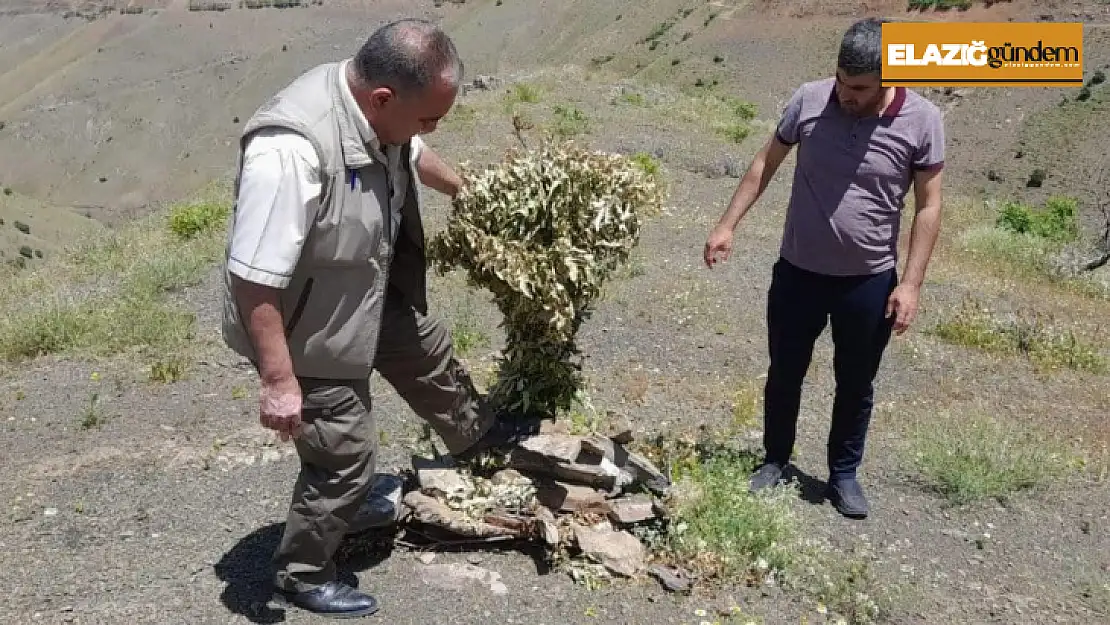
92,417
746,403
238,392
524,93
974,457
167,370
718,526
649,165
633,98
736,132
466,335
570,121
190,220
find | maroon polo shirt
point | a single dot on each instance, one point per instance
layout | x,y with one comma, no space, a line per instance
852,176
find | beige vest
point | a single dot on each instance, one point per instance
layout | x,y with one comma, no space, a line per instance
332,308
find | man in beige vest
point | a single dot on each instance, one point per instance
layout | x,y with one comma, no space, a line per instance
325,282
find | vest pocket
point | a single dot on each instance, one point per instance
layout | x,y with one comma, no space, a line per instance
298,310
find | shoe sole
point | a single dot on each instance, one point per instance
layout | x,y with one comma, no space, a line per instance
281,601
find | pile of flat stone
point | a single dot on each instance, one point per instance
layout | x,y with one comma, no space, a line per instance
573,494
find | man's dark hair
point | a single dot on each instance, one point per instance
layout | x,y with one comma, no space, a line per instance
408,55
861,49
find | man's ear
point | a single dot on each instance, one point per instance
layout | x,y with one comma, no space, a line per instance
379,97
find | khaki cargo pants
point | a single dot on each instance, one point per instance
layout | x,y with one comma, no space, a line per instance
338,446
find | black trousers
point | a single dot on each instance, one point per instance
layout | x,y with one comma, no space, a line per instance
800,304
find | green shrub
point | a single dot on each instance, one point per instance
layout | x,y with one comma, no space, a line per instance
189,220
570,121
1057,222
542,231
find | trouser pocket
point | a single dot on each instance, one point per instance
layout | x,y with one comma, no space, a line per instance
338,430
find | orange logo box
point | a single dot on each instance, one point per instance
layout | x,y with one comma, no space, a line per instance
983,54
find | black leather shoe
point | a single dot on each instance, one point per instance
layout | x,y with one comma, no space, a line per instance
506,431
847,496
333,599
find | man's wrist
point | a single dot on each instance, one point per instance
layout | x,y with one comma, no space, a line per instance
911,282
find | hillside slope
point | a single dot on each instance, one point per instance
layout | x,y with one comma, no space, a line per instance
117,114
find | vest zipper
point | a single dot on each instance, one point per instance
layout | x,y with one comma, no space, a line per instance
299,309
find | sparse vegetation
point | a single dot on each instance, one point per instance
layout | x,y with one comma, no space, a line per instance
970,457
1030,335
746,404
466,334
570,121
127,311
941,5
1029,242
523,92
721,532
725,529
1056,223
727,116
169,369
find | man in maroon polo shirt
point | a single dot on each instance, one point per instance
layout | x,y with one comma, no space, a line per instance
860,148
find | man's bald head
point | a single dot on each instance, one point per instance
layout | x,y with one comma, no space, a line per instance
408,55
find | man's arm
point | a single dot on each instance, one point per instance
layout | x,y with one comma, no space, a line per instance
928,166
926,225
261,312
436,173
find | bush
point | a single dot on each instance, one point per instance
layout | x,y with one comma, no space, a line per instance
542,231
190,220
1057,222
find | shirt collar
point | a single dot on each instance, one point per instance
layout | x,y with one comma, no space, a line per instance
890,112
362,125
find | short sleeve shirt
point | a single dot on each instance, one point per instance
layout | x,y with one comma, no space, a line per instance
852,176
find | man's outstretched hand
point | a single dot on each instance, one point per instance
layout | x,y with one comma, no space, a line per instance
279,407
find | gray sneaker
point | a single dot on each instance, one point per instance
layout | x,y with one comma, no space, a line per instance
770,474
